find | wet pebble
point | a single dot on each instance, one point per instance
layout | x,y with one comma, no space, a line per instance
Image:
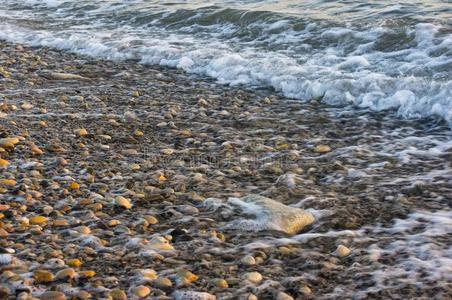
253,277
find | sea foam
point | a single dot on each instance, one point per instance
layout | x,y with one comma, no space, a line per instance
377,67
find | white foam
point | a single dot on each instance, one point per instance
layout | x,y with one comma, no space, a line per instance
345,68
425,260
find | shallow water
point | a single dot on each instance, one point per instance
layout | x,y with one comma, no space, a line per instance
382,55
384,190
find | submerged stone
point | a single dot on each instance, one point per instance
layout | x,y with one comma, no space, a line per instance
343,251
160,243
270,215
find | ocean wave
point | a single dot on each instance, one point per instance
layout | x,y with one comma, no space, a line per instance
403,64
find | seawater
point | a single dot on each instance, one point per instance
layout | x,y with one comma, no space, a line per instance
374,55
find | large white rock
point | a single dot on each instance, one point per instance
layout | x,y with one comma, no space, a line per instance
269,215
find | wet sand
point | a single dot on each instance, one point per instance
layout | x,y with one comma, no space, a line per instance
115,180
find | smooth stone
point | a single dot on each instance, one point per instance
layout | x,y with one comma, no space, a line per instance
3,233
249,297
75,263
149,274
134,167
138,133
160,243
343,251
54,263
129,152
112,223
84,230
167,151
220,283
130,116
87,274
60,223
66,274
118,294
141,291
81,132
74,186
9,143
62,76
151,220
52,295
162,283
36,150
47,209
3,163
248,260
4,292
283,296
186,277
38,220
43,276
322,149
123,202
203,102
198,177
254,277
8,182
270,215
306,290
83,295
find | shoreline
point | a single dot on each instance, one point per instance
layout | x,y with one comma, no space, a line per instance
103,159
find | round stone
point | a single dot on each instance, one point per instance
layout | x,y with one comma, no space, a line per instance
283,296
87,274
3,163
141,291
43,276
220,283
160,243
3,233
343,251
254,277
66,274
162,283
81,132
38,220
149,274
8,182
83,295
187,276
75,263
52,295
123,202
151,220
322,149
118,294
248,260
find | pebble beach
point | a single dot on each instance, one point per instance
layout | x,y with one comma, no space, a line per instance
124,181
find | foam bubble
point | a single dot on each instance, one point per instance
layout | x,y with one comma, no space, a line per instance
377,66
426,260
